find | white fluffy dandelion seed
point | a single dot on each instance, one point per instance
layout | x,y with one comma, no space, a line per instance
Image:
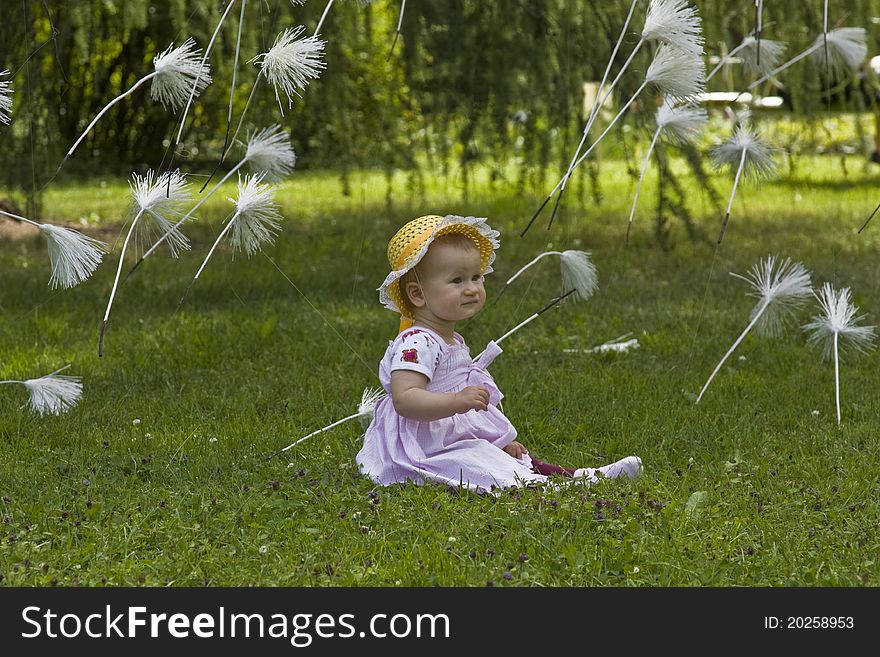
674,72
204,67
163,201
680,124
159,199
269,152
753,159
748,53
674,22
179,71
291,63
579,274
73,256
838,322
176,69
254,222
846,50
256,219
53,393
780,290
5,98
366,409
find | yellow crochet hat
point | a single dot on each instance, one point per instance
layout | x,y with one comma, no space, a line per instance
410,244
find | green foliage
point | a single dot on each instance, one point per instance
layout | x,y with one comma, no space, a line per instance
471,83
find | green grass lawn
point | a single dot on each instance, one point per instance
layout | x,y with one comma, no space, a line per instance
159,476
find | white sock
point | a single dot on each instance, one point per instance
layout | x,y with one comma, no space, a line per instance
630,467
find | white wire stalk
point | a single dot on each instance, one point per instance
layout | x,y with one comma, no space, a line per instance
268,152
54,393
825,32
759,28
254,222
73,256
366,410
291,63
836,328
161,200
681,124
675,73
204,64
846,51
771,53
671,22
781,288
397,32
361,3
175,71
5,98
578,272
752,158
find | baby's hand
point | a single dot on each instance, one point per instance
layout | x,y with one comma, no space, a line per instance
472,398
515,449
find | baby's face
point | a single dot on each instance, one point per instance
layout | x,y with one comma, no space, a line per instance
452,282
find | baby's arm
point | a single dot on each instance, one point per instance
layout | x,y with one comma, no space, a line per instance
411,400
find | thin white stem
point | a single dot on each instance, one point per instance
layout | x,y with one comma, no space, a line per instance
512,278
594,112
193,209
642,177
583,157
323,16
195,86
825,23
516,328
725,59
742,162
315,433
731,350
216,242
121,258
595,108
836,378
400,18
25,219
2,382
791,61
235,64
107,107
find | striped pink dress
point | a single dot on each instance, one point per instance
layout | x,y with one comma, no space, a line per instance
461,450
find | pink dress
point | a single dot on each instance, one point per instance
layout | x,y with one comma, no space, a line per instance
461,450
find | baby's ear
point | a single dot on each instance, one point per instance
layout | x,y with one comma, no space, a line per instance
413,292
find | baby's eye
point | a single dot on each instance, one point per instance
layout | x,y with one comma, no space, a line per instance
477,278
457,279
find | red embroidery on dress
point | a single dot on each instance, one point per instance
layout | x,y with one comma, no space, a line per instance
410,356
409,333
